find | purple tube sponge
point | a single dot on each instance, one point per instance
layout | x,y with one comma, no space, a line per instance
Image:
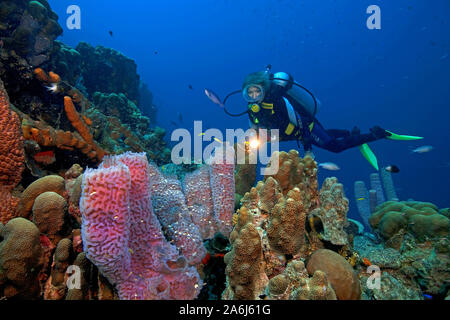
388,184
375,184
362,202
123,237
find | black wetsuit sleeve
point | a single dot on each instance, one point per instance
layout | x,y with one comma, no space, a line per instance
306,136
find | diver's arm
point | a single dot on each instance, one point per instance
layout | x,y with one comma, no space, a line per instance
307,140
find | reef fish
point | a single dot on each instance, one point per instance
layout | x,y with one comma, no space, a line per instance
45,157
392,168
213,97
366,262
329,166
423,149
53,88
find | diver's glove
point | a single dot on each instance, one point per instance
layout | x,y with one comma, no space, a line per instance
379,133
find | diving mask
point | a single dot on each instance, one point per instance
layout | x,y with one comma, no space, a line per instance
253,93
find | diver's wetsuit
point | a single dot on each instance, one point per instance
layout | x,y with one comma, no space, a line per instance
272,113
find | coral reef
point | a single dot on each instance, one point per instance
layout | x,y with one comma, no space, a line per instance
276,229
108,71
28,30
413,256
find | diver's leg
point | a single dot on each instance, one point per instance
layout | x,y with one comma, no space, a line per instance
338,133
340,144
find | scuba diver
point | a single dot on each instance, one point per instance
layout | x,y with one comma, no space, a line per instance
276,101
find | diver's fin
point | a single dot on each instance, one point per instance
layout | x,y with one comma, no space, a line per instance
394,136
369,155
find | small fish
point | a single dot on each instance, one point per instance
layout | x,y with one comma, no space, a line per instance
180,117
156,52
269,67
445,56
359,199
45,157
213,97
392,168
423,149
206,259
110,33
427,296
173,123
53,88
190,86
329,166
366,262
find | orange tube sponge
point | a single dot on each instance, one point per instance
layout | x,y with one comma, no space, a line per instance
53,77
41,75
76,120
92,149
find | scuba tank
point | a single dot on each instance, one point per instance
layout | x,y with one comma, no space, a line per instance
305,99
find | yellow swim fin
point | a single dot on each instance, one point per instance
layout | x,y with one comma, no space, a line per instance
369,155
401,137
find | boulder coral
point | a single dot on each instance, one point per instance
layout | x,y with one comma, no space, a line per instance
49,209
20,259
55,288
52,183
422,219
338,271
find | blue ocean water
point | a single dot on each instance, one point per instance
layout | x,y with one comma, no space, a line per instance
396,77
